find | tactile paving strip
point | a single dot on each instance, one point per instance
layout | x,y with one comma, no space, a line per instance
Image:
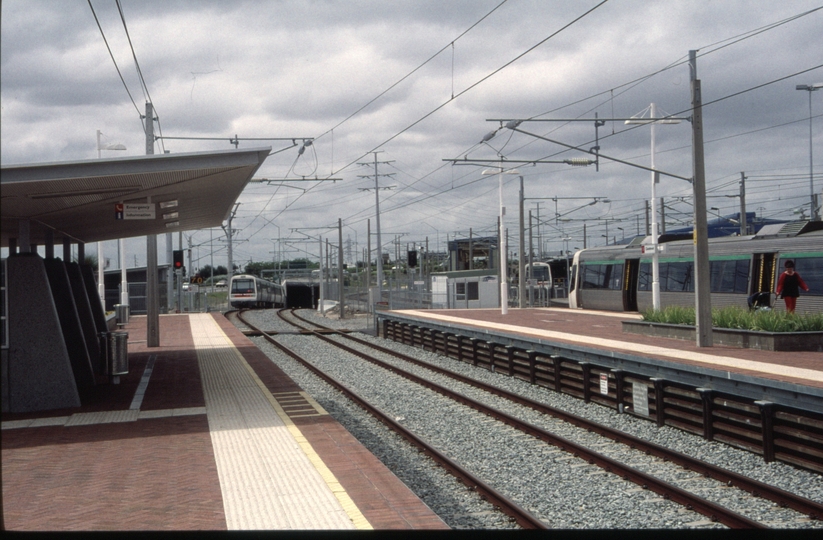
299,404
269,479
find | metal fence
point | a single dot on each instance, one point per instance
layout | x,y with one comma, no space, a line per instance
398,293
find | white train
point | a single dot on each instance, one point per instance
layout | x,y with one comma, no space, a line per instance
618,278
252,292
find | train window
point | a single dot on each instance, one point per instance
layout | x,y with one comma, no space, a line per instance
616,277
602,276
644,278
811,270
4,320
594,276
678,277
729,276
242,286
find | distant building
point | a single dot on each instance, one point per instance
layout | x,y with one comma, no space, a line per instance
473,253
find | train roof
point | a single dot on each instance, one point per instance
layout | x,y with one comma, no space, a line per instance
249,276
792,228
801,235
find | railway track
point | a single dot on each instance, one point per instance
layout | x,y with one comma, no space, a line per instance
524,518
692,501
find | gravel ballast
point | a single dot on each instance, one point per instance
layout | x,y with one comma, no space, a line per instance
564,491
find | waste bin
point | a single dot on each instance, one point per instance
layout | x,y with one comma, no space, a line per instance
122,313
103,364
118,353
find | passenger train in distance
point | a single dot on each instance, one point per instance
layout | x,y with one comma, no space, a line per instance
540,272
619,277
252,292
542,283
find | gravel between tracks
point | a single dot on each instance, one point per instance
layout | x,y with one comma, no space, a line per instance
566,498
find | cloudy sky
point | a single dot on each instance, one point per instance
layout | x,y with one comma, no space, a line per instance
417,81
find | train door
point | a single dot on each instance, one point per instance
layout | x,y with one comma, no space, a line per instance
574,298
630,271
763,274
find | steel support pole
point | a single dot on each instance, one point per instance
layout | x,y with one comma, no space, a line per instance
521,281
152,293
341,281
703,306
655,230
744,226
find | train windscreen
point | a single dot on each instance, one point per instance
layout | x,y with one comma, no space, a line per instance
242,286
540,273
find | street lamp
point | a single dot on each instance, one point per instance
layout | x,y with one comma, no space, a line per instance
813,215
504,290
107,147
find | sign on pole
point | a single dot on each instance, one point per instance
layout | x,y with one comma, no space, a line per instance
134,211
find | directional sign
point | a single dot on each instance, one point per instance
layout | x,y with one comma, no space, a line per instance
134,211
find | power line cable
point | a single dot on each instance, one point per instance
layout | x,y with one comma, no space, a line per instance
112,57
631,84
144,87
412,72
465,90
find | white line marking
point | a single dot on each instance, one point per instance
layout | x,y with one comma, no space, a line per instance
144,382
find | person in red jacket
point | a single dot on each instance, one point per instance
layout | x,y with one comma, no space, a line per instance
789,285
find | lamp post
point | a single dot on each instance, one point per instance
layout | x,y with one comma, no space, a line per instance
107,147
653,120
504,290
101,286
813,215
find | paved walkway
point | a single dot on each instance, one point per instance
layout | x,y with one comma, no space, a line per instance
268,479
204,433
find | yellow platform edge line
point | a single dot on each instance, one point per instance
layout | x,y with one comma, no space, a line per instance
358,519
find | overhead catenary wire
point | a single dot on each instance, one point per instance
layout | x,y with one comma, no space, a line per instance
108,48
143,84
724,43
464,91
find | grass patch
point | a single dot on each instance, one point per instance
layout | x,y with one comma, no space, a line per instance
741,319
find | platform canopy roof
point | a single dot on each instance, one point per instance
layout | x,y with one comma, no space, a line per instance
78,199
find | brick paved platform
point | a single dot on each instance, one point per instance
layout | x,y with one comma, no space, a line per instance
220,439
603,330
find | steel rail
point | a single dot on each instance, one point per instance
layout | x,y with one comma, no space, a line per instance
520,515
813,509
689,500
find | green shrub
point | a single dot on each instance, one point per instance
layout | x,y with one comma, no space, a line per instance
742,319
